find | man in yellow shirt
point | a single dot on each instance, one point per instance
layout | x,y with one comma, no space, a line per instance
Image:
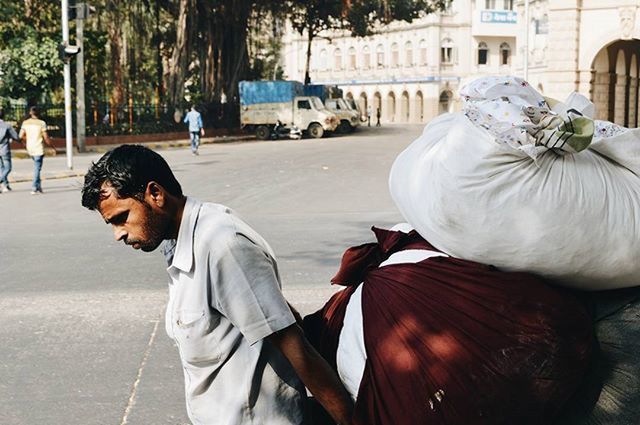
34,132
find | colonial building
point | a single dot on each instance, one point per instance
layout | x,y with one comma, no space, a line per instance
412,72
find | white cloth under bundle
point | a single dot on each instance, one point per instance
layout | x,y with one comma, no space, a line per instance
525,183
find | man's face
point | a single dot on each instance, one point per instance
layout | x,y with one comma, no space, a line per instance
139,224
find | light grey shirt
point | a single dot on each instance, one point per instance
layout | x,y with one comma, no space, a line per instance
224,299
7,133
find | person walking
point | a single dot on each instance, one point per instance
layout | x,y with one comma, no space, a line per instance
378,117
196,129
244,356
7,134
369,113
34,132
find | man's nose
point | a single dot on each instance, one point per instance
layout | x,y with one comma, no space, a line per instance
119,233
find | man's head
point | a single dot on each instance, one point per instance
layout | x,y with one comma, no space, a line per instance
136,192
1,114
34,112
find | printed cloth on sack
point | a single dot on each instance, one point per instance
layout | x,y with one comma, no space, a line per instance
517,115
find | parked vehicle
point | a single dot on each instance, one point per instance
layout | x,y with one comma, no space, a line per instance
331,96
265,103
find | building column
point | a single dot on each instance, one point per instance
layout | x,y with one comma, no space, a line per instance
564,18
619,97
633,102
600,95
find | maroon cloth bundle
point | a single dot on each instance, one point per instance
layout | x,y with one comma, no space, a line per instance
451,341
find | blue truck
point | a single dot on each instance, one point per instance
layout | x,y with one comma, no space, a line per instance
265,105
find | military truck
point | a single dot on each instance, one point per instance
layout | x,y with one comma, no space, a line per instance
331,96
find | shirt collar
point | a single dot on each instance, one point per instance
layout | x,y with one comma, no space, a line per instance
183,255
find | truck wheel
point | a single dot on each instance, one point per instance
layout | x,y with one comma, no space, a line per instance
344,127
315,130
262,132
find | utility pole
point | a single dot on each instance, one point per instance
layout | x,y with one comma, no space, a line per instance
67,86
81,14
526,40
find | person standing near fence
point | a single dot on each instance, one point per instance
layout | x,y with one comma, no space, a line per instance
196,129
34,132
7,134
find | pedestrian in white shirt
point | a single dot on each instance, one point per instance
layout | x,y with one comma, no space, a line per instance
245,359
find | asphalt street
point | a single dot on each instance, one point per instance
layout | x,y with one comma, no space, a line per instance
82,339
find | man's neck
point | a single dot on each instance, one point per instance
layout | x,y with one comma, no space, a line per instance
179,211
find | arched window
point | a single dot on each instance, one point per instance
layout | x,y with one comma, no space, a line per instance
337,59
366,57
505,54
395,55
323,60
352,58
423,52
447,51
483,53
408,54
380,56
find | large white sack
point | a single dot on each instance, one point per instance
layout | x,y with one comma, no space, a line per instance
572,217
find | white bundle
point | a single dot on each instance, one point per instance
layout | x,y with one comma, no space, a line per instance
525,183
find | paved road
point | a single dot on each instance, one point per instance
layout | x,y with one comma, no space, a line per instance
82,339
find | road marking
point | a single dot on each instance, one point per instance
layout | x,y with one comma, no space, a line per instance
145,357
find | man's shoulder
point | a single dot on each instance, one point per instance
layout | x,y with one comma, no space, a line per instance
216,222
218,225
34,121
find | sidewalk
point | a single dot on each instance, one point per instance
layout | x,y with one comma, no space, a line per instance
55,167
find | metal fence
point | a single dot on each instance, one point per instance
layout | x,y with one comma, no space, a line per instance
103,119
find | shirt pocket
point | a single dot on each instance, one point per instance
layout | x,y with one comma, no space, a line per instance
195,339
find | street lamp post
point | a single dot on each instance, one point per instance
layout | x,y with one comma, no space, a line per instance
68,130
526,40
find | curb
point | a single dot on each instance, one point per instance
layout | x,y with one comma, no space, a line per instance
22,154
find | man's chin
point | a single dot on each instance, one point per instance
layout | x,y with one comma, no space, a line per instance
149,247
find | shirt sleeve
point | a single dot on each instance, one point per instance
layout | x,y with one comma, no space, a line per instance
186,119
12,133
200,121
246,290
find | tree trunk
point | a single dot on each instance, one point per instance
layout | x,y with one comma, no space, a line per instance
179,57
310,36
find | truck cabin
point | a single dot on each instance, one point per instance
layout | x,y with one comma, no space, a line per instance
310,103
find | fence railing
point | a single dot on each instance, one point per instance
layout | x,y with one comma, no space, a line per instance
103,119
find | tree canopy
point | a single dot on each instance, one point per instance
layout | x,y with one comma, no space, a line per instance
173,50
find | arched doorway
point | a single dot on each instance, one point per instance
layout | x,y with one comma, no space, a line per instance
377,105
391,107
445,102
614,82
404,107
419,107
363,104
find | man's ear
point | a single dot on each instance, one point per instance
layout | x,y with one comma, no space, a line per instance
155,194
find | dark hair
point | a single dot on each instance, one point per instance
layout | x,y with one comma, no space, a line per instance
128,169
1,114
34,111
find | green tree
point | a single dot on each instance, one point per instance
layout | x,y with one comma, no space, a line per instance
29,65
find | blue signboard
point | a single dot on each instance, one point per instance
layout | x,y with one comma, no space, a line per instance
499,17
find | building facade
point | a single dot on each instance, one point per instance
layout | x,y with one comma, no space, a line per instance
412,72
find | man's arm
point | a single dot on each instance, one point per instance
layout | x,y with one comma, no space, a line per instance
315,373
47,140
13,135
